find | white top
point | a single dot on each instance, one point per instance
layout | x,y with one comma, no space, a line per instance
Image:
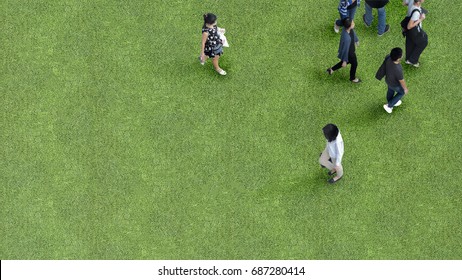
335,149
416,16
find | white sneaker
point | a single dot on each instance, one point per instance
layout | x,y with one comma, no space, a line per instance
336,27
222,72
388,109
398,103
417,65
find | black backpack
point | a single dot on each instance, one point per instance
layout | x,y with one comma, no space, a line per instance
405,22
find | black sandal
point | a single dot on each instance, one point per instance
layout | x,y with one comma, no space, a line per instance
332,181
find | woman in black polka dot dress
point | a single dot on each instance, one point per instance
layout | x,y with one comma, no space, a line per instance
212,46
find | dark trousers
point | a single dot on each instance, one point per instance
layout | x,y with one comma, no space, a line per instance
354,65
416,42
392,98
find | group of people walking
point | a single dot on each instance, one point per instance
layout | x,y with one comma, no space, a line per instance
391,69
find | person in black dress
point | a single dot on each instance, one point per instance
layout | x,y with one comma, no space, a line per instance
212,46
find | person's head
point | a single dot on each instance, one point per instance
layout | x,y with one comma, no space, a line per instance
210,19
330,132
348,23
396,54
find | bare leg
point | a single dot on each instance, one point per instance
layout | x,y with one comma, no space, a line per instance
215,63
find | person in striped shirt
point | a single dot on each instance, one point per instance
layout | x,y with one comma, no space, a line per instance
346,8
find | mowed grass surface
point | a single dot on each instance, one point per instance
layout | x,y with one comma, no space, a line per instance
117,144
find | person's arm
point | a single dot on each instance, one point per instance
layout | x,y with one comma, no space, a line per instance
413,23
403,84
344,49
204,39
339,156
342,7
405,2
356,38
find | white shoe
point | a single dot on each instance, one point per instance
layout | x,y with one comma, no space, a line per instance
398,103
202,62
388,109
417,65
222,72
336,27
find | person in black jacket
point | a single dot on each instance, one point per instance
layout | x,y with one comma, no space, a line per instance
368,17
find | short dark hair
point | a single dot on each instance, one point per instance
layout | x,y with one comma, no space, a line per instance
347,22
396,54
331,132
209,18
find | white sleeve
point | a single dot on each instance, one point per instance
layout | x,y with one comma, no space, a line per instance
340,150
415,16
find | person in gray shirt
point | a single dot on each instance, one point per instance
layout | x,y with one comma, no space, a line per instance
393,72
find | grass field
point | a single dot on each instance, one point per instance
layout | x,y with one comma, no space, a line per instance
117,144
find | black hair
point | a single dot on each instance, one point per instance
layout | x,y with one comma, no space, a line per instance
330,132
396,54
209,18
347,22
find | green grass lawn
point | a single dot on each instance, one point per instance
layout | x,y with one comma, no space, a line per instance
117,144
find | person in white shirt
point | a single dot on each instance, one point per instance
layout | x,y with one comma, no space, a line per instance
416,38
331,157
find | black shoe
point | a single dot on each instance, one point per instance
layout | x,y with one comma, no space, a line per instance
332,181
387,29
364,19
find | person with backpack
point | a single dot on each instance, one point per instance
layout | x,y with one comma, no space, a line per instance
416,37
212,45
392,70
382,27
347,50
346,9
331,157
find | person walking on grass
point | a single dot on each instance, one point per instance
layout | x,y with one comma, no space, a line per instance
212,46
331,157
416,38
382,27
393,71
347,50
346,9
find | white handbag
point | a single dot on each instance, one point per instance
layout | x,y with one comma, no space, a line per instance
221,33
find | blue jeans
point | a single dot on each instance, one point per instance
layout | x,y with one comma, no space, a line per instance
382,18
392,98
350,13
